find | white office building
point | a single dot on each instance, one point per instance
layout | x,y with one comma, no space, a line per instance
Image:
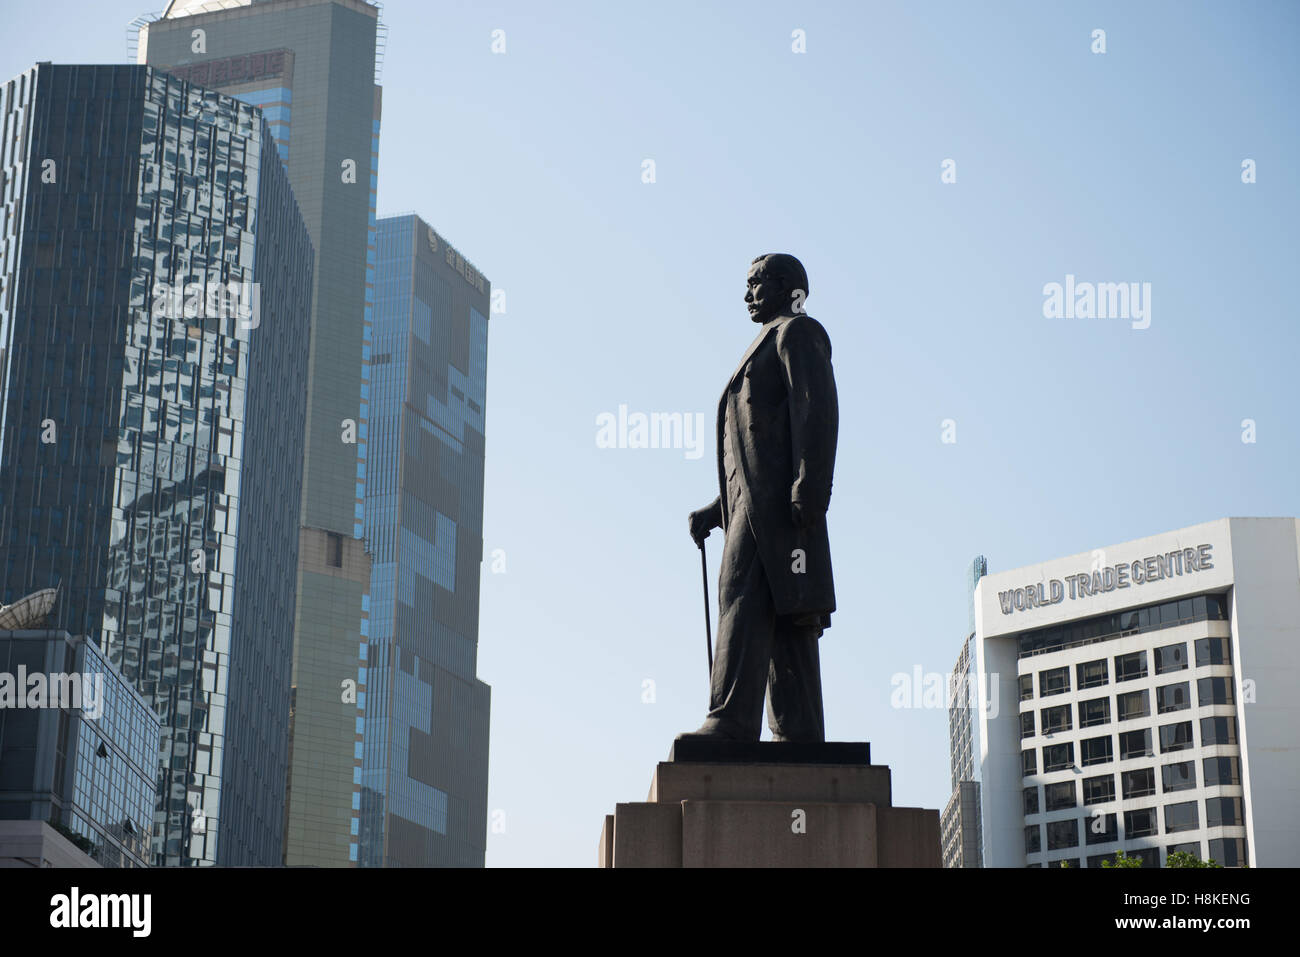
1144,697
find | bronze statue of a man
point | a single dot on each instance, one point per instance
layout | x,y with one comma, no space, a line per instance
778,419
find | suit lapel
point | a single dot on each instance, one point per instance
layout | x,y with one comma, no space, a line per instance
754,347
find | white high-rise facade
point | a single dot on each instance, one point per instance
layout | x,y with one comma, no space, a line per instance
1148,699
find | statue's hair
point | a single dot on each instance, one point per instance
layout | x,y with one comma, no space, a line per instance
785,267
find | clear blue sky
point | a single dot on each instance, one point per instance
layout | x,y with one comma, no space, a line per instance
1071,434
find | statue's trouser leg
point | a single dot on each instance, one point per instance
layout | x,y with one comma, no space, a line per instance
746,628
794,708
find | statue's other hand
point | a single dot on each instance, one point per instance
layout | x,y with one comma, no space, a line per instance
702,521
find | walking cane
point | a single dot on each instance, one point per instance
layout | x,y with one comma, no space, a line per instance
708,631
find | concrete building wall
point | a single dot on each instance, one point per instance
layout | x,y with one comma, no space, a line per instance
1266,652
36,844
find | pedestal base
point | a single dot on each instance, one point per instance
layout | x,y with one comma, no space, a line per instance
757,805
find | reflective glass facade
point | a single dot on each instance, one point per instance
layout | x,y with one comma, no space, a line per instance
152,427
311,65
424,780
89,770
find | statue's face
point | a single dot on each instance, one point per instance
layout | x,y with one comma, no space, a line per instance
764,295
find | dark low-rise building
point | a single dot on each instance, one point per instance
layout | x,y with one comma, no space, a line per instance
78,749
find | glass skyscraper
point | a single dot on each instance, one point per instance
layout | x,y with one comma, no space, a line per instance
424,780
153,348
311,65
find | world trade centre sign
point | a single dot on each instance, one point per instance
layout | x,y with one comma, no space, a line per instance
1108,578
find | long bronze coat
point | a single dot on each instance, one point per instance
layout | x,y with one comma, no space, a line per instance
786,415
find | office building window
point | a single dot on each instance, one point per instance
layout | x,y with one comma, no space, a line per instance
1058,757
1221,771
1171,658
1213,651
1026,724
1130,667
1101,829
1175,737
1218,730
1026,687
1062,834
1134,621
1053,681
1134,744
1149,856
1193,848
1099,790
1138,783
1031,800
1094,712
1230,852
1091,674
1223,812
1028,761
1140,823
1133,704
1095,751
1173,697
1181,817
1059,796
336,550
1210,691
1033,837
1179,777
1056,719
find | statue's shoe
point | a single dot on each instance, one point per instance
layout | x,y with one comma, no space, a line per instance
714,730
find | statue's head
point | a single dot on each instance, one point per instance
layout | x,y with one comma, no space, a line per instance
777,286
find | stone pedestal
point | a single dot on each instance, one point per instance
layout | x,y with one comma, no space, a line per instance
769,804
